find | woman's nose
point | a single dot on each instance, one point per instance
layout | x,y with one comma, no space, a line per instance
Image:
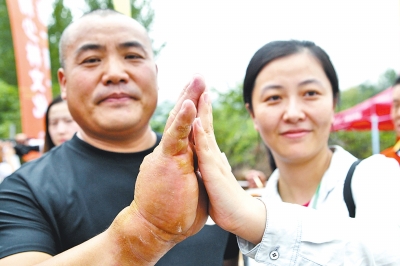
294,111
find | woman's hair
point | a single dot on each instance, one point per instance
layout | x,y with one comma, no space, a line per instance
48,143
278,49
397,81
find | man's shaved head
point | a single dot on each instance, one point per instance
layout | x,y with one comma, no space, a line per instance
65,36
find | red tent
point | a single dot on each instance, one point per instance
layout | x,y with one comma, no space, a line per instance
360,116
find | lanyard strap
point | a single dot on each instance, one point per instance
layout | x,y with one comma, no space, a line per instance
316,196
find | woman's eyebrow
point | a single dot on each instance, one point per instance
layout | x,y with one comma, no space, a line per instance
310,81
270,87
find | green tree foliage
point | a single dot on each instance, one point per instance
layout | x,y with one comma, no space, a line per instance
235,133
7,62
9,109
140,10
359,143
353,96
96,4
160,116
61,18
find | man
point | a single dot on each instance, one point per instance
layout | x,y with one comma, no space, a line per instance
75,202
394,152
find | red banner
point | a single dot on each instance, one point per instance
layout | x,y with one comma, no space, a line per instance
29,32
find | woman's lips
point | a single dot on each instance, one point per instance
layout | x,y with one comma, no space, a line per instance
295,133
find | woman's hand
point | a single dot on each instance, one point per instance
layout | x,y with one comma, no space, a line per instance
229,205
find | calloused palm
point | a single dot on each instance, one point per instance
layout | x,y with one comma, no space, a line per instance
169,195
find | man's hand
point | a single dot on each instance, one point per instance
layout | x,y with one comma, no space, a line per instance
169,200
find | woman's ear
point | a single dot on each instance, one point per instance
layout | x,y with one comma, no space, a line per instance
249,110
252,116
335,101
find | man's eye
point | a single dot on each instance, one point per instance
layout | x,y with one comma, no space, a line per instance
91,60
133,56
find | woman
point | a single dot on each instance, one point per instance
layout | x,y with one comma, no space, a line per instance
60,126
290,90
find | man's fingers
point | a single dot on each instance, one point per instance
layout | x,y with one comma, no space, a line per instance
175,138
192,92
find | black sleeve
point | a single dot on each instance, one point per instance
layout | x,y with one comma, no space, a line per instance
22,223
232,248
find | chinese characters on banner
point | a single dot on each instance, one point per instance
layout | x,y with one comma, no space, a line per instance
29,32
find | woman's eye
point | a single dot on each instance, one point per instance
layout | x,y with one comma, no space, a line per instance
273,98
311,93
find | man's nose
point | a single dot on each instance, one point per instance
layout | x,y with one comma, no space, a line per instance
115,72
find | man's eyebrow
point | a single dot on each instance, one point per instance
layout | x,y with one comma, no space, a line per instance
88,47
133,44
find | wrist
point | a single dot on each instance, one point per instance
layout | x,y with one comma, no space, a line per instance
254,219
136,239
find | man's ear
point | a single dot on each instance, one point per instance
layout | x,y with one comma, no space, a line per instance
252,116
62,80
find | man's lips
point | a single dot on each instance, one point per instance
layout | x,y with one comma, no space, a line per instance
117,97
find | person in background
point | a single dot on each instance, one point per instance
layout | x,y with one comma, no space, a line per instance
9,161
59,124
25,150
255,178
86,202
394,152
